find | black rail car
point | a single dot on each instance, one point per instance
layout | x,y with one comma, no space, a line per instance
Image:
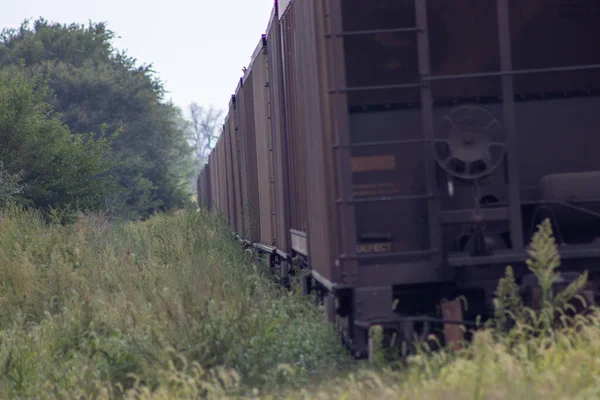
414,146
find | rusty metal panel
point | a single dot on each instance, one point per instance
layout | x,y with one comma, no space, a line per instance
282,203
252,205
309,124
543,150
223,197
247,134
391,54
241,133
212,181
459,48
263,143
386,190
388,178
235,154
223,183
217,172
340,99
207,191
452,311
232,174
230,188
555,33
294,115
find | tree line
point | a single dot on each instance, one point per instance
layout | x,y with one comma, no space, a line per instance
84,128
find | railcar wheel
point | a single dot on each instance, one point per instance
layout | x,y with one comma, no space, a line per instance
284,273
329,303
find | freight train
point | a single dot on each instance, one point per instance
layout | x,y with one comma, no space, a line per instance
402,152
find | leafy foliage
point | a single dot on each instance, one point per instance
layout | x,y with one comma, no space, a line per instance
43,164
508,302
543,262
9,185
96,89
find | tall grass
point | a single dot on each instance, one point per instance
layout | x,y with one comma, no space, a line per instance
523,353
172,308
96,308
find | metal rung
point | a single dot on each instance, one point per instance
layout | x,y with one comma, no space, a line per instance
398,254
379,87
382,143
469,215
353,200
366,324
513,72
515,256
376,31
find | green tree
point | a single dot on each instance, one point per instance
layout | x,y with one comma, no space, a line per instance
96,88
43,164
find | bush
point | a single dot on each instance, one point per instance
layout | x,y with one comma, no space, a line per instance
43,164
543,262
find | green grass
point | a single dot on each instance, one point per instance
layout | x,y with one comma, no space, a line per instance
93,307
173,308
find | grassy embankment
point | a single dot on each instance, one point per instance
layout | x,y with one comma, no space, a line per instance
110,311
83,307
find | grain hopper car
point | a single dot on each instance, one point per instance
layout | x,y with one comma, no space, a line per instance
404,151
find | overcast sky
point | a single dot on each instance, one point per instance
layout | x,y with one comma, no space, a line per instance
197,47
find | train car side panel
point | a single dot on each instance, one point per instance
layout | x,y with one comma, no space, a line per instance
236,166
249,132
263,144
292,66
211,179
231,211
314,129
282,201
218,173
223,180
243,161
207,189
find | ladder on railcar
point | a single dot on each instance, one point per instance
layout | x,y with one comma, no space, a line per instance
344,145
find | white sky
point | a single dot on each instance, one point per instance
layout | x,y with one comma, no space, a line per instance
197,47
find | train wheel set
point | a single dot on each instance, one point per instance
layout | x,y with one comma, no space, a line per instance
403,153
